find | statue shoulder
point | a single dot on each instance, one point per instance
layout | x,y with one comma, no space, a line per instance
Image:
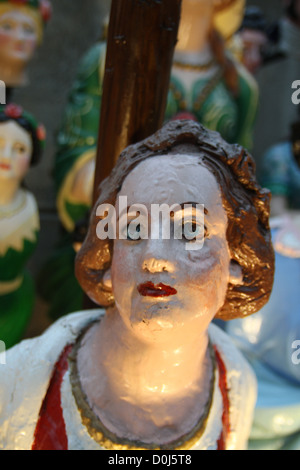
25,377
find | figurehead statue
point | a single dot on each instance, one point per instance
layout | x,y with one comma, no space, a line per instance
21,143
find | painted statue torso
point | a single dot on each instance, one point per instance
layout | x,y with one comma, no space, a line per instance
207,98
21,430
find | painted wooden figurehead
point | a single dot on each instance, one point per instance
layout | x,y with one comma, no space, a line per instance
162,292
21,143
236,167
207,81
151,371
254,39
22,25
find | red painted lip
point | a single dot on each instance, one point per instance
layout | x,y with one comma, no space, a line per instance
148,289
5,166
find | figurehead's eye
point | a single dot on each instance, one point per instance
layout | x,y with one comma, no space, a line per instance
134,231
133,226
6,26
191,230
20,148
28,29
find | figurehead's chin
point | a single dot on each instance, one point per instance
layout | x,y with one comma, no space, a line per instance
154,322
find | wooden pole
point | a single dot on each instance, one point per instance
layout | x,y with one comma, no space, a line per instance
142,36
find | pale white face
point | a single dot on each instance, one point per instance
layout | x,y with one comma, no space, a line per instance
15,152
18,37
197,279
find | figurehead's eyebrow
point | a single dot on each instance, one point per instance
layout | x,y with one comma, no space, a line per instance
179,208
127,210
194,205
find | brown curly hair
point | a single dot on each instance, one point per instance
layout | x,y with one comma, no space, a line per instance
247,206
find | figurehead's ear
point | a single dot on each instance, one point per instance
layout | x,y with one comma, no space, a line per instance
235,273
107,279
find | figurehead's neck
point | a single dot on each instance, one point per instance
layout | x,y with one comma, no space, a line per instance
9,191
152,379
195,25
14,75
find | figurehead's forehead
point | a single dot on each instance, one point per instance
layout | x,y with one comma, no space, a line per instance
177,181
167,170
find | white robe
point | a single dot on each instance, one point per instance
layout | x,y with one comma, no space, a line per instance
25,377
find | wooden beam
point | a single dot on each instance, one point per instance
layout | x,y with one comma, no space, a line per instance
142,36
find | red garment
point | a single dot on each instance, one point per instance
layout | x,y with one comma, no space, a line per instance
224,392
50,432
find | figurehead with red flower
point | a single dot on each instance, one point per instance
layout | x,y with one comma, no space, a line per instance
21,143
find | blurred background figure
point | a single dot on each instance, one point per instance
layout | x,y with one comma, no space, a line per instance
21,144
207,81
254,38
270,342
22,26
270,338
275,78
281,171
74,169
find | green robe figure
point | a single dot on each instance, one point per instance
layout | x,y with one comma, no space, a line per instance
21,142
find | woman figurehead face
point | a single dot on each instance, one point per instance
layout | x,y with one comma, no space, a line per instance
21,31
22,140
183,163
171,263
15,151
20,34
